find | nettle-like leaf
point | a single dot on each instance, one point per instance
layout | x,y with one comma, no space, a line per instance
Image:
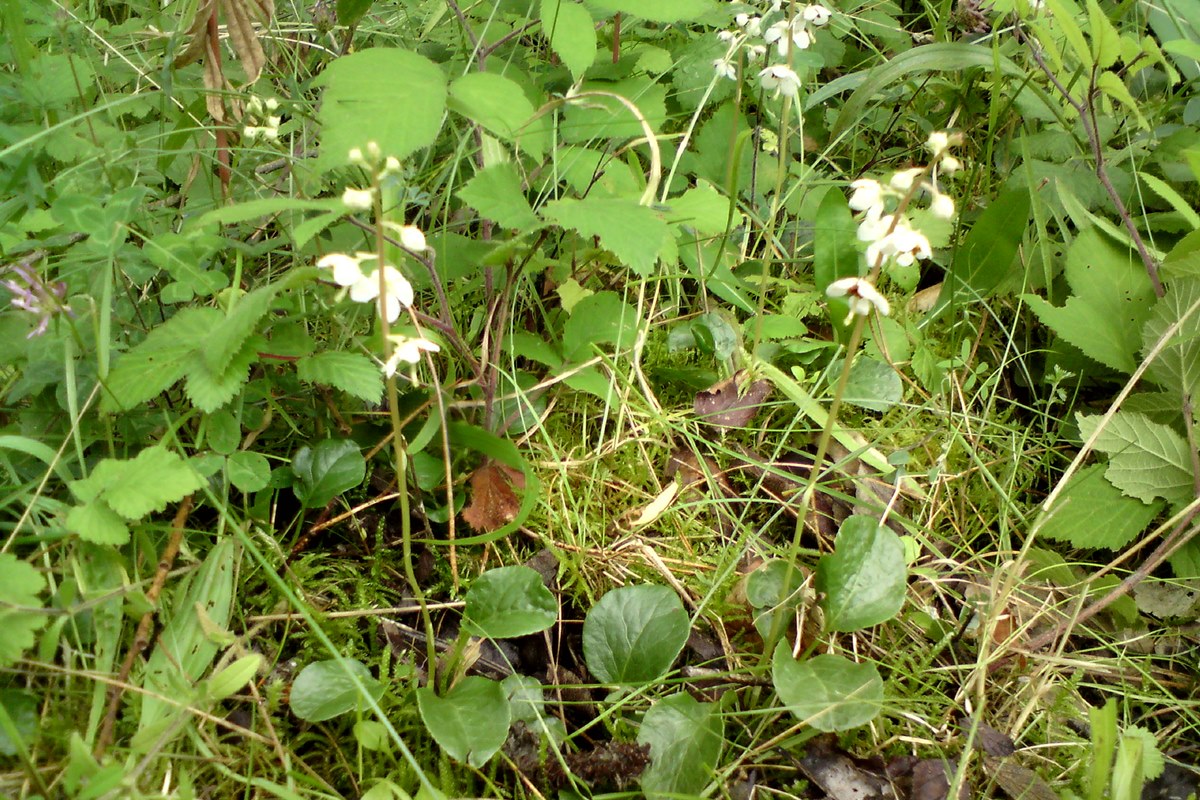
389,96
632,232
499,105
353,373
1178,364
1090,512
1147,460
496,193
1111,300
20,587
572,34
135,487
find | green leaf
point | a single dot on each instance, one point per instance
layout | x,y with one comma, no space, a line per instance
507,602
20,587
233,678
701,208
986,256
209,390
1178,365
471,722
139,486
872,384
228,338
774,588
353,373
865,578
1090,512
326,470
222,432
600,318
656,11
598,117
572,34
389,96
249,472
327,689
828,692
685,738
835,251
1106,42
633,634
632,232
1111,300
160,360
499,105
496,194
349,12
96,522
22,709
1147,460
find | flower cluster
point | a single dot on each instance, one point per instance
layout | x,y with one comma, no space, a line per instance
772,29
30,293
263,110
892,237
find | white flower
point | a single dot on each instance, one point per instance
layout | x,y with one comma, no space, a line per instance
356,156
777,35
724,67
904,245
752,26
783,80
942,206
358,199
875,225
861,295
902,181
271,104
868,194
726,36
756,51
346,269
398,292
412,239
949,164
816,15
408,350
938,143
784,34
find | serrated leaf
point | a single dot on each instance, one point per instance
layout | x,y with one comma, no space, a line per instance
496,194
402,114
20,585
1147,460
499,105
572,34
210,390
139,486
1178,365
864,580
701,208
1111,301
470,722
685,738
227,339
600,117
1090,513
353,373
828,692
157,363
97,523
631,232
600,318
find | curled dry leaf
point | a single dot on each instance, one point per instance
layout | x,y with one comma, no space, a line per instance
493,504
240,17
722,405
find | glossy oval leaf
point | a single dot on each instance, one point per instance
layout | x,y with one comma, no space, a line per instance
326,470
470,722
507,602
634,634
828,692
864,579
326,689
685,738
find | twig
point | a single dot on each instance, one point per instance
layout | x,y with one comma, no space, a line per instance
142,638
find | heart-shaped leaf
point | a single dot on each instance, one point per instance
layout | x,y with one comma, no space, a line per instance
864,578
634,634
507,602
828,692
470,722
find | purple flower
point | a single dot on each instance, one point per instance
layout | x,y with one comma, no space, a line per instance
30,293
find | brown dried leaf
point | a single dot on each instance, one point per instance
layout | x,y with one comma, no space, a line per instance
1018,782
722,405
243,35
931,779
493,504
988,739
839,777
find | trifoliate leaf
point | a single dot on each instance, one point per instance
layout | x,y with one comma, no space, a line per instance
353,373
20,585
1111,301
401,114
1090,512
632,232
496,194
1146,460
96,522
1178,365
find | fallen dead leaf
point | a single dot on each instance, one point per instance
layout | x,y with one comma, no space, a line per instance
493,504
722,405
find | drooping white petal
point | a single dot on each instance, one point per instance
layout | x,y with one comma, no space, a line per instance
413,239
942,206
346,270
868,194
358,199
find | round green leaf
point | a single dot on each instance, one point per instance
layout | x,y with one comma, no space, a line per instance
685,738
224,432
872,384
470,722
864,578
249,472
325,689
326,470
22,709
634,634
828,692
507,602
